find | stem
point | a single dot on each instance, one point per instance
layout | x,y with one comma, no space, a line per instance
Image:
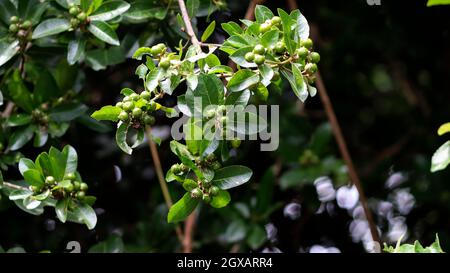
13,186
160,175
187,23
188,232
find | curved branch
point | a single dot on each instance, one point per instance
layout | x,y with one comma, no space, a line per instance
187,23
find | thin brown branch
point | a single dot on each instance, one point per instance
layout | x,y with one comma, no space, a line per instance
189,229
8,109
187,23
13,186
161,179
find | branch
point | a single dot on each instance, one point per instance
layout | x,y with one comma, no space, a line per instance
161,179
13,186
187,23
189,228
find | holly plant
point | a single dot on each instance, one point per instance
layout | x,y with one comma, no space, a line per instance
263,51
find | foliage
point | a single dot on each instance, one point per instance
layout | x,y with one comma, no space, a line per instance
441,158
415,248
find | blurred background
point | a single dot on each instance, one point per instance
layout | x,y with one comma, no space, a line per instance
387,71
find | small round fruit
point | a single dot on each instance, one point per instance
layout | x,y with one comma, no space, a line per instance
259,59
123,116
249,56
210,113
196,193
308,43
119,104
264,27
206,198
125,99
214,190
315,57
152,106
235,143
134,96
216,165
275,20
50,180
280,47
145,95
155,50
164,63
128,106
74,22
259,49
82,16
76,186
302,52
175,168
211,157
221,109
70,176
311,68
184,168
149,120
13,28
137,112
73,10
69,188
84,187
80,195
35,188
14,20
161,47
26,24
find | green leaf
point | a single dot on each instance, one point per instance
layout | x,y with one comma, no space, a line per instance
40,136
121,137
67,112
108,112
299,90
20,194
209,89
61,209
42,196
70,159
141,52
34,178
104,32
238,98
86,214
113,244
262,13
7,10
242,80
109,10
143,10
287,25
50,27
181,209
444,128
46,87
232,176
32,10
20,137
192,7
101,58
18,120
75,50
232,28
8,50
256,237
153,78
270,38
26,164
208,31
221,199
19,93
431,3
266,73
441,158
302,26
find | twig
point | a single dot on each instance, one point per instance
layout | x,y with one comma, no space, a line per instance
187,23
343,146
189,228
13,186
160,175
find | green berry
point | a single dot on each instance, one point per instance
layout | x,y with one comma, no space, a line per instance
128,106
164,63
26,24
210,113
35,188
206,198
73,10
175,169
308,43
76,186
49,180
74,22
80,195
280,47
145,95
70,176
302,52
123,116
184,168
221,109
125,99
134,97
315,57
13,28
214,190
158,49
249,56
235,143
14,20
216,165
82,16
119,104
211,157
275,20
311,68
264,27
149,120
69,188
259,49
259,59
84,187
196,193
137,112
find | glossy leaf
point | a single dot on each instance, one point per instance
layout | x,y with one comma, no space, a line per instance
8,50
181,209
51,27
121,137
108,112
109,10
104,32
441,158
232,176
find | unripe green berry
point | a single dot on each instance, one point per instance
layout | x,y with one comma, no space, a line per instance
70,176
35,188
76,186
80,195
84,187
249,56
149,120
235,143
315,57
82,16
73,10
311,68
145,95
14,20
308,43
164,63
196,193
280,47
184,168
123,116
119,104
216,165
214,190
259,49
275,20
211,157
74,22
259,59
175,169
69,188
128,106
302,52
26,24
221,109
49,180
13,28
264,27
125,99
137,112
152,106
134,96
210,113
206,198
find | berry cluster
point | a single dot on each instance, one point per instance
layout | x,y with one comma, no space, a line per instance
79,17
137,108
39,117
20,29
70,186
159,53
